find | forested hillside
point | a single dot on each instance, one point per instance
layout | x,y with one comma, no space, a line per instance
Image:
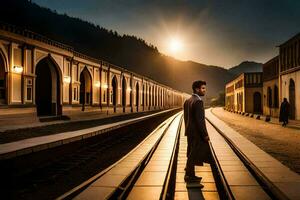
123,50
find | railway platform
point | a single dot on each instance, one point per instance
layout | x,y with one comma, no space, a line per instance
155,169
35,144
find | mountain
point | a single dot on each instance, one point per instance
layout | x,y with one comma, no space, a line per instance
126,51
246,66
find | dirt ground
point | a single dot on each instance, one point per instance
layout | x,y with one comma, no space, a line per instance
281,142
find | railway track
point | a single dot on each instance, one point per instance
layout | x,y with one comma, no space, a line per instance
56,170
155,168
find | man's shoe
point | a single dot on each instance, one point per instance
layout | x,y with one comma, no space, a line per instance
187,178
196,178
194,185
193,178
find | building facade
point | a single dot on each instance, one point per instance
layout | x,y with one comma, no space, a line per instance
271,87
289,74
281,79
244,93
49,77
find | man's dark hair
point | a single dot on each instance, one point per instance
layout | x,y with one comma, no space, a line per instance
198,84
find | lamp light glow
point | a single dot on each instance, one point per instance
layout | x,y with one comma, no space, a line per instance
18,69
67,79
97,84
105,86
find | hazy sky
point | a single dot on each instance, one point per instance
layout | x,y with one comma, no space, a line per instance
214,32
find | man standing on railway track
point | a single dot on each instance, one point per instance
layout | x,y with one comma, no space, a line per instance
195,129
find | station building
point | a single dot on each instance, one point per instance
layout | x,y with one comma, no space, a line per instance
281,79
50,78
244,93
271,87
289,74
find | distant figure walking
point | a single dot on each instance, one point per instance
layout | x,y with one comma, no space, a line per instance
284,112
198,150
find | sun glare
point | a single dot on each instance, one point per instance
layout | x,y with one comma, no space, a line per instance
175,45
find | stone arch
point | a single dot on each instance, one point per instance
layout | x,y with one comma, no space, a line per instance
162,97
3,79
86,87
48,85
4,56
124,89
137,95
292,99
146,95
276,97
269,97
158,96
114,91
149,96
153,95
143,96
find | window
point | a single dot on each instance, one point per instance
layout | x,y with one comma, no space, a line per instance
269,97
111,96
276,105
75,93
258,78
29,93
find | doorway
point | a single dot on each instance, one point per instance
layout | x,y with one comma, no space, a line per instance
292,99
47,88
256,102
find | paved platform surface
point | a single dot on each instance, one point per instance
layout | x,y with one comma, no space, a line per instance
150,183
19,118
280,142
209,192
240,181
293,124
284,180
35,144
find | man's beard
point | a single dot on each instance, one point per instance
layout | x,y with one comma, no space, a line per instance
200,94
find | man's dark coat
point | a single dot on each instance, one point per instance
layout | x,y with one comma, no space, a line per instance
284,112
195,130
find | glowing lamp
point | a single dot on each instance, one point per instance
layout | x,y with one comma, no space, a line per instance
129,89
18,69
67,79
97,84
105,86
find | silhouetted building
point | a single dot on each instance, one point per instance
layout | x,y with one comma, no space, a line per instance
244,93
289,75
271,87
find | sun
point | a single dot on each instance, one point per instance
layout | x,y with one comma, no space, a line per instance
175,45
